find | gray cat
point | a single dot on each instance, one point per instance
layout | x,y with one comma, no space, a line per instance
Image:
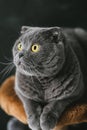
48,73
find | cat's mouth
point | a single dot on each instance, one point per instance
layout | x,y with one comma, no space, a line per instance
19,63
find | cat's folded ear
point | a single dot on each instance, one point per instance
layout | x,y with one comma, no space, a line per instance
24,29
56,34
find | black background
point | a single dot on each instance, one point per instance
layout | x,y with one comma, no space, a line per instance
15,13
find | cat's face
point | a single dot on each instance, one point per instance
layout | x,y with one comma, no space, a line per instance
39,51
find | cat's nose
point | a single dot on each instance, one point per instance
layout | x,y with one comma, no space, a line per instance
21,54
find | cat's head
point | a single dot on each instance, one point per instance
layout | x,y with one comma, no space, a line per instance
39,51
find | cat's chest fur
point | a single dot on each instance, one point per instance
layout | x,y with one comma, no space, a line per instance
29,87
67,84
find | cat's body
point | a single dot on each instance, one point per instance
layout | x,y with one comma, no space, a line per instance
53,77
45,89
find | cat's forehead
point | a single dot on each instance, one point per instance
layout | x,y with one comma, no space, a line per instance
25,29
33,33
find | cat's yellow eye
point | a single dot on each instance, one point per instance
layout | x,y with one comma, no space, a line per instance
35,48
20,47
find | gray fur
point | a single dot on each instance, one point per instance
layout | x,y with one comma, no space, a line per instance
49,80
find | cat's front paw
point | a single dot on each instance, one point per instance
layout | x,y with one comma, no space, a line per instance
34,122
48,121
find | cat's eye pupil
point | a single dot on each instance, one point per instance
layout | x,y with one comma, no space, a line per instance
35,47
20,46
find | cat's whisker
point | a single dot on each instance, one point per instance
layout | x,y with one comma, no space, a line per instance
5,63
9,64
7,72
3,70
8,59
6,68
